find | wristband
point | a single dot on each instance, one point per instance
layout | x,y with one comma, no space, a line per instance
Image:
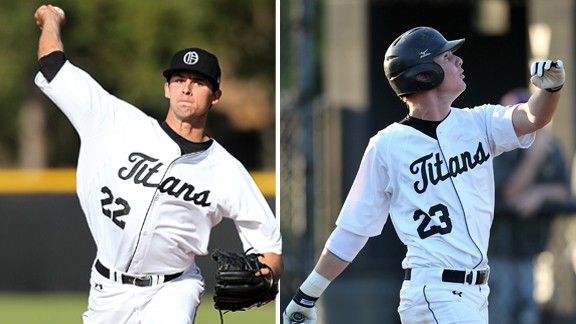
304,300
311,289
315,284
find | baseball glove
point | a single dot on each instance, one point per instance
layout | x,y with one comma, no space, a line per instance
237,285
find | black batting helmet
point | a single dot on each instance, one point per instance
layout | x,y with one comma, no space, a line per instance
412,54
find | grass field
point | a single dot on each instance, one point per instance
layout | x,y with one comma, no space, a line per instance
68,308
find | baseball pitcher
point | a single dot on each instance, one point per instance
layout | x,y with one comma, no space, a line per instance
432,174
152,191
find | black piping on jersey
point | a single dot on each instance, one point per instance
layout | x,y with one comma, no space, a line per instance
154,198
428,303
463,210
147,212
429,127
187,148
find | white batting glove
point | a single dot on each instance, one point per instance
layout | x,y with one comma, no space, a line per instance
548,75
302,307
296,314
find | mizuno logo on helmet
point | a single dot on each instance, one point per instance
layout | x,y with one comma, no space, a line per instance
424,53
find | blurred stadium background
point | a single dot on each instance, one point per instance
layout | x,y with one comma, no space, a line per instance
46,248
334,97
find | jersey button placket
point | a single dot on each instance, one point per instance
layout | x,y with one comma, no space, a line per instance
147,231
140,253
148,226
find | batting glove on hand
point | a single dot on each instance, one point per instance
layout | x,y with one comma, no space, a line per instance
296,314
548,75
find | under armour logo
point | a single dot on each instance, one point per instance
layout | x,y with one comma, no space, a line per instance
424,53
190,58
459,293
98,286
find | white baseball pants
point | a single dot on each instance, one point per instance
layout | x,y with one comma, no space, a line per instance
175,301
426,299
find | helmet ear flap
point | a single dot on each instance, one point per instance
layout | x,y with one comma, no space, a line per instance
422,77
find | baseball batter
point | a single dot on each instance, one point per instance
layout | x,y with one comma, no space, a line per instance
432,173
152,191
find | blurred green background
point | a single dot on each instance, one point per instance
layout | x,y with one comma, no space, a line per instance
68,308
125,45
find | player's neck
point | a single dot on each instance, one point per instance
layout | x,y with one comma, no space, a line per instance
429,113
428,106
191,132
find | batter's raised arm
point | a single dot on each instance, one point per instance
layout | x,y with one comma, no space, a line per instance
50,19
549,77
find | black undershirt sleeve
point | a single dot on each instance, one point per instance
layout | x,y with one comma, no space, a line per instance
50,64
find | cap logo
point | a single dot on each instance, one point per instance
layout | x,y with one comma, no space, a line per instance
190,58
424,53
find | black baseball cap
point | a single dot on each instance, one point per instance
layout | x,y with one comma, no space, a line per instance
195,60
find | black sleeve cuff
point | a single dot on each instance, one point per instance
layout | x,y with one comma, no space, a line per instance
304,300
51,64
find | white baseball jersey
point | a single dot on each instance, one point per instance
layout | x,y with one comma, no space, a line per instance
149,208
439,192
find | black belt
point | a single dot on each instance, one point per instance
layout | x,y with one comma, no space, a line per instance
458,276
140,281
